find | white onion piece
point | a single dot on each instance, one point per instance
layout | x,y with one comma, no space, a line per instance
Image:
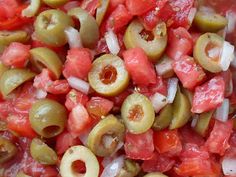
158,101
194,120
223,111
227,55
112,42
191,15
112,169
172,89
164,67
107,141
107,160
229,166
40,94
214,52
73,37
32,8
230,15
78,84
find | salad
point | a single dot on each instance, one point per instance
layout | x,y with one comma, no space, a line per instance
117,88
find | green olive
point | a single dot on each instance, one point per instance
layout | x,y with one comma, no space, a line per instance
42,153
47,117
22,174
89,31
203,123
101,10
137,113
181,111
43,57
3,68
7,37
155,174
163,120
105,136
50,25
130,169
3,126
209,22
32,9
55,3
205,43
13,78
188,93
136,36
108,75
164,67
7,150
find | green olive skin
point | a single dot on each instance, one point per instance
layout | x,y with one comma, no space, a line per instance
203,123
130,169
155,174
13,78
110,127
47,118
55,3
50,25
42,153
3,68
43,57
153,48
89,30
7,37
22,174
101,10
201,55
7,150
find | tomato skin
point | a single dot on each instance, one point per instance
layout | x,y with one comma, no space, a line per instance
69,5
139,146
78,63
188,71
16,55
90,6
140,68
209,95
8,9
138,7
218,141
191,150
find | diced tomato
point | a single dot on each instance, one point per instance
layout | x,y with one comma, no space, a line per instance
191,150
90,6
7,9
78,63
227,76
188,71
98,106
140,68
114,3
118,99
78,120
167,141
139,146
158,162
218,141
59,87
16,55
195,36
180,43
209,95
69,5
138,7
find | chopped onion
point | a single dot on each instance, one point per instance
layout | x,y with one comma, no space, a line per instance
73,37
227,55
223,111
172,89
78,84
214,52
194,120
32,9
107,140
40,94
158,101
230,15
191,15
229,166
112,169
164,67
112,42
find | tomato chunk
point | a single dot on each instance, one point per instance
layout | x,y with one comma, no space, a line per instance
138,7
7,9
141,70
209,95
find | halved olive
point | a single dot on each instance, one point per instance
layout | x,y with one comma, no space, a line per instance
155,174
209,22
7,37
42,57
203,123
130,169
138,113
105,136
108,75
89,31
50,25
13,78
181,111
32,9
101,10
152,42
188,94
7,150
42,153
202,51
55,3
3,68
47,117
163,120
22,174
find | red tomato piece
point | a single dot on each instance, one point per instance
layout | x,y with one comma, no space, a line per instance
90,6
180,43
167,141
16,55
138,7
98,106
191,150
78,63
59,87
188,71
140,68
218,141
158,162
209,95
114,3
227,76
7,9
139,146
69,5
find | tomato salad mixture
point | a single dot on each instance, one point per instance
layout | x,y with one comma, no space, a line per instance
117,88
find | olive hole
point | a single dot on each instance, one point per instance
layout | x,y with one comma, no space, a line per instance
213,51
147,35
78,167
136,113
108,74
51,130
48,22
109,141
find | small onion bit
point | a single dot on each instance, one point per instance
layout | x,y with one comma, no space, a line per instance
195,118
73,37
40,94
172,89
112,169
32,9
158,101
227,55
231,21
223,111
229,166
112,42
79,84
191,15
